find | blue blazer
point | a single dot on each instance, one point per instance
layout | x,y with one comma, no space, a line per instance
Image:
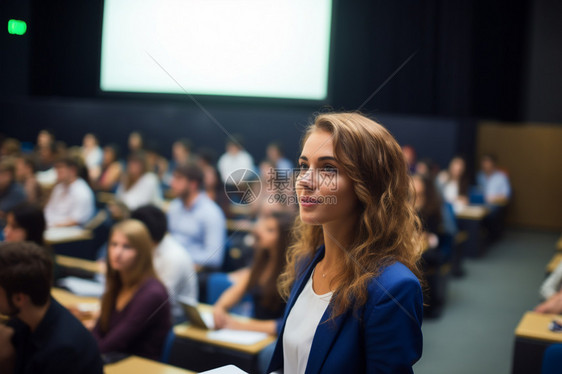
382,336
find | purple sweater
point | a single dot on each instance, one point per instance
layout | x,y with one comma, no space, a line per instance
141,327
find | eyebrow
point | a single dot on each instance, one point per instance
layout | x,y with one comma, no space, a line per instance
323,158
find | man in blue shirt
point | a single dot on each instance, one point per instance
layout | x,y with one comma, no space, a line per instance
493,182
195,220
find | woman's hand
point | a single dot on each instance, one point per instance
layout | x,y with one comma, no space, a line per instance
552,305
220,316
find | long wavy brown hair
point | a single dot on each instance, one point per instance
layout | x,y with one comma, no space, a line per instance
388,228
139,238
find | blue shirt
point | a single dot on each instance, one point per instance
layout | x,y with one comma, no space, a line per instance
200,229
495,185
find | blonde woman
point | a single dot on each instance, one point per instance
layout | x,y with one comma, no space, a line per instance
135,312
354,302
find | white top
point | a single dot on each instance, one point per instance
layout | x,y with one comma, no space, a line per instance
174,267
72,203
551,285
301,326
229,163
93,157
146,191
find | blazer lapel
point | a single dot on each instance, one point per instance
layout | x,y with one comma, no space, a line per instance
326,333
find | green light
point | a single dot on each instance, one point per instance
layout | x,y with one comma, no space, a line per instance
17,27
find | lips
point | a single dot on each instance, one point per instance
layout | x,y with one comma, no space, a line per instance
308,200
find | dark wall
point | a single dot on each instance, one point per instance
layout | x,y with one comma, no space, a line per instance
14,57
544,78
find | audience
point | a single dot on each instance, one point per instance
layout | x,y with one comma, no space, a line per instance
136,142
271,235
206,161
428,207
139,186
92,155
72,200
172,263
11,192
156,163
25,222
410,156
25,175
45,161
195,220
275,156
234,159
135,313
111,169
181,153
41,336
10,148
454,182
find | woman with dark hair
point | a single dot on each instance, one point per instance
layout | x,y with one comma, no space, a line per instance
25,222
272,239
454,182
354,301
135,312
111,169
139,186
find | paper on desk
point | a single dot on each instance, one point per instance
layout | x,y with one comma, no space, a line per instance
237,336
82,287
228,369
208,318
61,233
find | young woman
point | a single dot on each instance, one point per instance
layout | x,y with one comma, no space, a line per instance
454,182
135,312
272,238
354,302
25,222
139,186
111,169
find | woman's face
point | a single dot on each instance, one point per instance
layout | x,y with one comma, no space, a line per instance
325,193
121,254
135,168
266,233
456,168
108,155
135,141
12,231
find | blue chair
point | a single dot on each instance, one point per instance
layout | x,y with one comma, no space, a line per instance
217,283
552,359
476,196
168,344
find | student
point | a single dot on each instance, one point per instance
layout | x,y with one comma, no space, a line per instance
139,186
206,161
454,182
41,336
72,200
25,175
234,158
552,293
272,239
354,302
195,220
275,155
92,155
25,222
136,142
493,182
135,312
11,192
111,169
172,263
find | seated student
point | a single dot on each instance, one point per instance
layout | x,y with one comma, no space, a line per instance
275,155
139,186
72,200
25,175
428,207
454,182
10,148
111,169
25,222
195,220
157,164
92,155
181,154
234,158
42,336
493,182
552,293
11,192
171,262
271,235
206,161
135,142
135,312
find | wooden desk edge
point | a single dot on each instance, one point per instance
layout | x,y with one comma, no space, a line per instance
134,362
522,331
77,263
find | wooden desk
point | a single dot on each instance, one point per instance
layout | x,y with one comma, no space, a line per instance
469,219
78,263
553,263
139,365
68,299
192,349
532,337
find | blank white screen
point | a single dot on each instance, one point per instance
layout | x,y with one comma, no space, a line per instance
262,48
